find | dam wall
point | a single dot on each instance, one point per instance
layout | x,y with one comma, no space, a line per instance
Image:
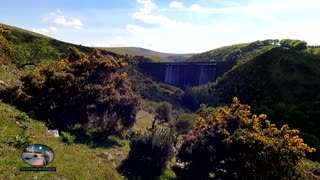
186,73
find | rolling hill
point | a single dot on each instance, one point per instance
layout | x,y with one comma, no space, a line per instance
157,56
25,36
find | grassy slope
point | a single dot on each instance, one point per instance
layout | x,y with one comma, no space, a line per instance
72,161
237,52
19,36
76,161
157,56
280,73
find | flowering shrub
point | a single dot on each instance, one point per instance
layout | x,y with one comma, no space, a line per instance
238,144
83,89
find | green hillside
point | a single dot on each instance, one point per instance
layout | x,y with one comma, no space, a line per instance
20,36
282,74
157,56
238,52
282,83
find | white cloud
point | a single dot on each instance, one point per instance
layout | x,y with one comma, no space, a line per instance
256,11
72,22
50,31
58,18
212,25
196,7
176,4
144,14
152,19
148,5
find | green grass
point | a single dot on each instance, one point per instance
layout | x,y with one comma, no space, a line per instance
75,161
314,50
144,120
9,75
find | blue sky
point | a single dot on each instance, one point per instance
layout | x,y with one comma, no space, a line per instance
182,26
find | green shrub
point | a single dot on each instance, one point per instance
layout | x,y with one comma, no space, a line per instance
21,141
23,120
164,112
67,137
25,125
183,123
149,153
22,117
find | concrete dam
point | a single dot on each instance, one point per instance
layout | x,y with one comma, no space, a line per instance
183,74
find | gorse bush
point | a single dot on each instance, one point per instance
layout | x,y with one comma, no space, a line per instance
83,89
149,153
5,49
238,144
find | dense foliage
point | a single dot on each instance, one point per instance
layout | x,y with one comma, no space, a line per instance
235,143
294,44
149,153
163,112
82,89
33,53
183,123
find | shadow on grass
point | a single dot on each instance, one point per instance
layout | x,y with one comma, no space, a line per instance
93,138
84,135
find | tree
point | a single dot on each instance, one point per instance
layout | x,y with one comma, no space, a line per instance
293,44
238,144
183,123
83,89
163,113
33,53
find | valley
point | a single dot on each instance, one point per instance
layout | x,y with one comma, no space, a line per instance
123,109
